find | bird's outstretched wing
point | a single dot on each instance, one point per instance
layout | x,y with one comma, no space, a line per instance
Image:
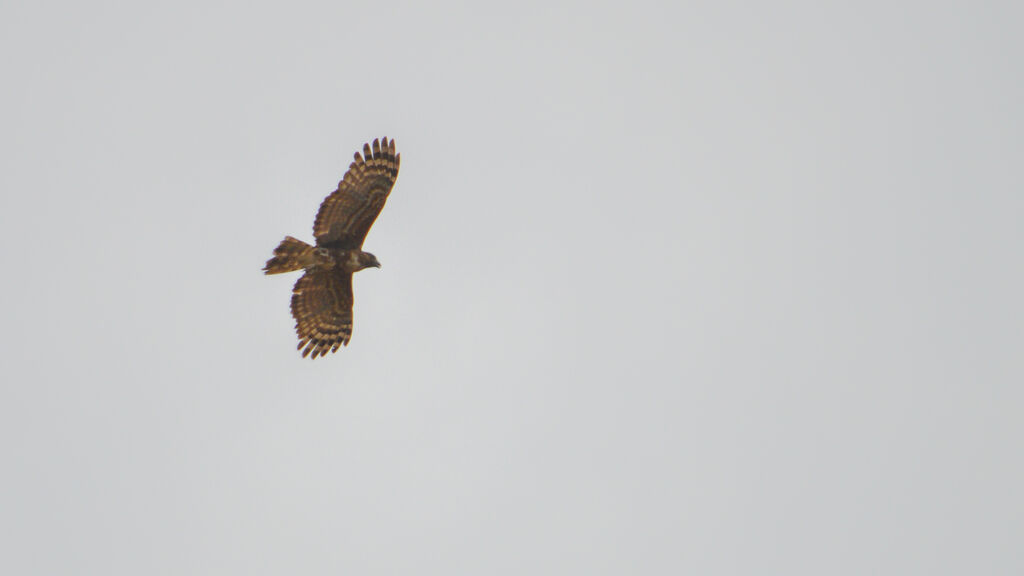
346,215
322,307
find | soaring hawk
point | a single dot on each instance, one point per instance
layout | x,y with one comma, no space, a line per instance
322,298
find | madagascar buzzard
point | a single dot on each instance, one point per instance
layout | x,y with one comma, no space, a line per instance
322,298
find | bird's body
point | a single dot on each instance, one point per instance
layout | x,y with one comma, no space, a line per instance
294,254
322,297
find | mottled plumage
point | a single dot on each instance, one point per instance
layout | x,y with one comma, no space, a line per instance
322,297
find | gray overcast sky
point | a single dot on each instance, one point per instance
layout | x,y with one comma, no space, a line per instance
672,288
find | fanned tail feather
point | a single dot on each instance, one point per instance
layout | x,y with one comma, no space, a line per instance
290,255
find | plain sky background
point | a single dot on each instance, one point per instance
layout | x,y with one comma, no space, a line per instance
667,288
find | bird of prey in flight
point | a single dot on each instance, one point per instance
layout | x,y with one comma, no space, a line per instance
322,297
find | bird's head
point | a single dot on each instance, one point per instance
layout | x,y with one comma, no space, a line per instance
367,260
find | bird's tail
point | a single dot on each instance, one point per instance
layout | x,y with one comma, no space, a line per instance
290,255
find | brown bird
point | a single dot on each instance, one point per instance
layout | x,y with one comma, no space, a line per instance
322,297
